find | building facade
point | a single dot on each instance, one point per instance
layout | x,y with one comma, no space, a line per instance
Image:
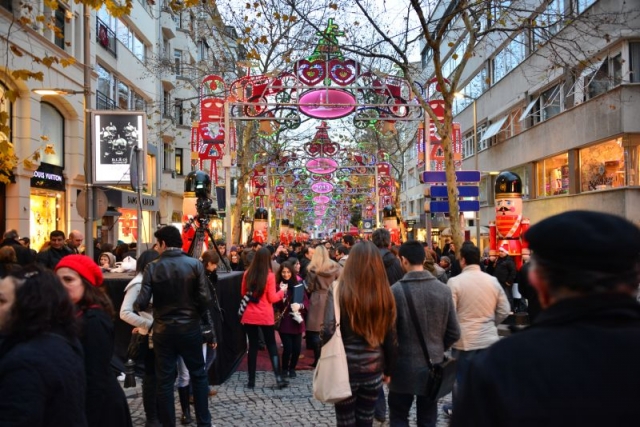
146,61
556,101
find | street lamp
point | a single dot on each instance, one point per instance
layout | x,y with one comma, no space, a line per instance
86,91
475,150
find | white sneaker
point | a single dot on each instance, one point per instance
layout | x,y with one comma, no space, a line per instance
121,377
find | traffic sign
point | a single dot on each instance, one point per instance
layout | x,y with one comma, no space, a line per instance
464,205
439,177
440,191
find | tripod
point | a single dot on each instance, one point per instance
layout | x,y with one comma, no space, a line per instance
202,230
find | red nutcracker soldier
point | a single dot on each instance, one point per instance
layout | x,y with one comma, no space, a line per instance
509,227
260,225
390,222
284,232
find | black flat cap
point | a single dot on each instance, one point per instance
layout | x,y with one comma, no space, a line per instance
588,240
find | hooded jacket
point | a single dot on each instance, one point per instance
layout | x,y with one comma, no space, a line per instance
318,285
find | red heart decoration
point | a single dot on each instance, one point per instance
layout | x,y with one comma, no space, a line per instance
310,72
343,72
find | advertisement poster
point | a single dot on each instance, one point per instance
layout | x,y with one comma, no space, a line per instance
115,136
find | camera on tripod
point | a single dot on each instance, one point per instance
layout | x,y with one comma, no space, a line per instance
198,184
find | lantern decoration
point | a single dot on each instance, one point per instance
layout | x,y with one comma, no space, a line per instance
507,231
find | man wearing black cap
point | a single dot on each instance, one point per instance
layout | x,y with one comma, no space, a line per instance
577,364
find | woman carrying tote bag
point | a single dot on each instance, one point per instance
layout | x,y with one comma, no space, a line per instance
367,326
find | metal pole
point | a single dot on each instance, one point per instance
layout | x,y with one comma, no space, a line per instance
377,196
88,161
139,161
475,147
426,140
226,164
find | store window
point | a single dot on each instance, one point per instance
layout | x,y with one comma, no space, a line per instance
602,166
46,215
129,228
178,161
52,134
553,176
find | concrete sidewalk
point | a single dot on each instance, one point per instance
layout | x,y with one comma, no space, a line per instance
264,406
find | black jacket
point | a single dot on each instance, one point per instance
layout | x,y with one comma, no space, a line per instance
23,254
505,271
576,365
362,359
392,266
50,257
42,383
180,291
106,404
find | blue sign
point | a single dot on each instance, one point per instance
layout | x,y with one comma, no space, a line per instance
464,206
439,177
440,191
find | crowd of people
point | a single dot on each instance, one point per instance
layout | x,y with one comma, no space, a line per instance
401,309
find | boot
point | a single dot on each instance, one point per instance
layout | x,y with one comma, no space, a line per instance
316,355
275,362
252,380
183,394
149,403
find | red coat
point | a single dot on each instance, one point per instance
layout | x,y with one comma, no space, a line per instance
261,313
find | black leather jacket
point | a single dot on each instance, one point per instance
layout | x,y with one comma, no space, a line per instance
180,292
362,359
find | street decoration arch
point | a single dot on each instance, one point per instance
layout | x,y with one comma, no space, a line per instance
317,182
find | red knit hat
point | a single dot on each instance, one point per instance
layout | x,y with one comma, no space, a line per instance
84,266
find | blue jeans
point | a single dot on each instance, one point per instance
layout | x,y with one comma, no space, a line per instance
188,345
400,405
381,406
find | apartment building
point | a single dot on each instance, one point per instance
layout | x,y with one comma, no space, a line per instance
146,61
557,101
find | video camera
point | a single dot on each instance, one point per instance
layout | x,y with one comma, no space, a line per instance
199,183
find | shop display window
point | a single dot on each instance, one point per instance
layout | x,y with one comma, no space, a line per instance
602,166
553,176
129,230
46,216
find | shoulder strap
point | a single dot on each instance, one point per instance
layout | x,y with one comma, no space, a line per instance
336,304
416,324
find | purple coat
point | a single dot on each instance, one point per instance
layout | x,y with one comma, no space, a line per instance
287,324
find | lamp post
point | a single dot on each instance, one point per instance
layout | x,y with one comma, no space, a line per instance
475,152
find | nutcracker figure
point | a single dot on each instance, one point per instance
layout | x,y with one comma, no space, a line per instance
509,227
390,221
260,225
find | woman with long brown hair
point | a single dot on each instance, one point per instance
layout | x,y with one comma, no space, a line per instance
367,325
260,283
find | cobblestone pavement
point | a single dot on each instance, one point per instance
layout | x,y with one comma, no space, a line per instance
266,406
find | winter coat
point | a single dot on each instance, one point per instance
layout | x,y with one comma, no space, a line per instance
142,320
576,365
363,360
50,257
287,324
260,312
180,292
106,404
481,305
505,271
438,323
392,266
318,284
42,383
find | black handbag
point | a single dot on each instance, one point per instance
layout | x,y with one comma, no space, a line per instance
440,377
137,346
278,314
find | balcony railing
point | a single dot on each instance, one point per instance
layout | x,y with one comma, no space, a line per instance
103,102
106,37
